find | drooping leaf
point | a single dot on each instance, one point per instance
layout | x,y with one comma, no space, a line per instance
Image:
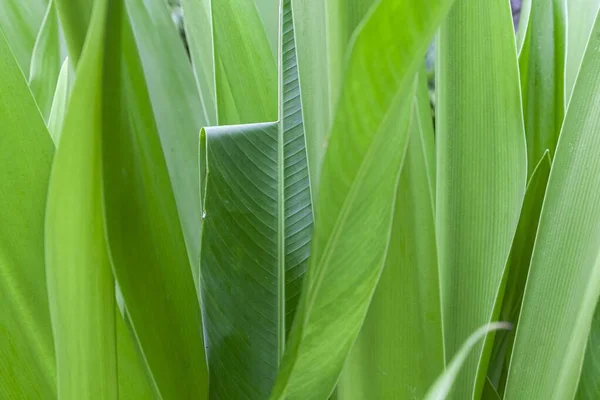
440,390
581,15
542,71
20,21
144,235
199,34
245,65
59,103
517,269
177,110
553,329
481,172
80,281
46,61
353,211
27,368
400,351
256,238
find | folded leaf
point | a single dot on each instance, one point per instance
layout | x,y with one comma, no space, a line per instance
481,172
27,369
553,329
80,281
400,350
353,212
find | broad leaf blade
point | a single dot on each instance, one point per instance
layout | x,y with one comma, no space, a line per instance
481,170
517,269
77,263
542,66
46,61
400,350
27,368
353,212
256,238
176,107
146,243
553,330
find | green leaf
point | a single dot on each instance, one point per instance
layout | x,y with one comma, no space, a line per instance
145,239
481,171
46,61
440,390
199,34
59,103
542,69
80,282
240,39
553,329
176,107
517,270
580,19
268,10
256,238
400,351
20,22
74,17
489,391
323,32
27,368
589,382
353,212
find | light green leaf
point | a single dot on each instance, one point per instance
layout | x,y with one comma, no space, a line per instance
145,239
268,11
74,16
240,39
400,351
581,15
176,107
553,329
481,171
323,32
59,103
440,390
256,238
46,61
517,270
353,212
542,69
26,352
20,21
80,282
199,34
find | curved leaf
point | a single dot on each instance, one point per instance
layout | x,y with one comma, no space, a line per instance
481,171
59,103
27,368
400,351
353,212
553,330
256,238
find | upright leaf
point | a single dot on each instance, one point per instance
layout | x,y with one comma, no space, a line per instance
20,21
199,34
46,61
145,239
481,171
542,70
80,282
27,368
589,382
400,351
517,270
75,17
256,238
59,103
177,110
580,20
553,329
353,212
245,66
